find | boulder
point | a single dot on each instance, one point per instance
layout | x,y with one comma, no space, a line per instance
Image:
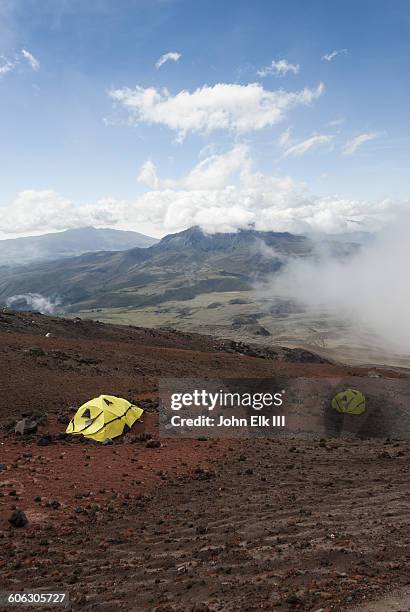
18,519
26,426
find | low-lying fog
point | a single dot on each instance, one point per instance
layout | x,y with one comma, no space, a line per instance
371,289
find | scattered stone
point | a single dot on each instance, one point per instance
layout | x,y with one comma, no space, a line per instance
44,542
41,419
294,600
45,440
373,374
26,426
153,444
142,437
36,351
201,474
325,562
18,519
62,418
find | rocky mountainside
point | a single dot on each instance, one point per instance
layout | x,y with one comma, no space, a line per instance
178,267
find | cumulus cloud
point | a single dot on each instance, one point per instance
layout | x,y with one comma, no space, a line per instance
221,193
300,148
33,210
213,172
279,67
265,203
352,146
224,106
328,57
216,171
34,63
42,211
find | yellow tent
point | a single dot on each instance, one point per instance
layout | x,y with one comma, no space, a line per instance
104,417
350,401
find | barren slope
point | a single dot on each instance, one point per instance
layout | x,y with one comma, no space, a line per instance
189,525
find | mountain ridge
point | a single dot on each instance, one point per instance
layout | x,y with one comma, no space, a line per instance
178,267
69,243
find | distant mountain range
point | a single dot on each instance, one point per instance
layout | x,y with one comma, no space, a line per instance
70,243
178,267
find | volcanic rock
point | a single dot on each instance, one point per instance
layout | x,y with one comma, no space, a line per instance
18,519
26,426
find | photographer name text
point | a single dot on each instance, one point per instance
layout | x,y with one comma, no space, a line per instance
256,420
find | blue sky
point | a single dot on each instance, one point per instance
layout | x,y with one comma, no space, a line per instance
72,150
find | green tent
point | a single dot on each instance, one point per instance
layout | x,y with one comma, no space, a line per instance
350,401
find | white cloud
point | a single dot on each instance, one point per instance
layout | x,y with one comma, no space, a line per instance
35,301
212,172
217,171
280,68
234,107
285,139
42,211
7,65
221,193
32,210
330,56
302,147
148,175
367,291
171,56
34,63
336,122
352,145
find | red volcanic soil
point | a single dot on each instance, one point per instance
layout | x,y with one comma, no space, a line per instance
188,525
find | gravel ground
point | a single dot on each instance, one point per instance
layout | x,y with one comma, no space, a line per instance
189,525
